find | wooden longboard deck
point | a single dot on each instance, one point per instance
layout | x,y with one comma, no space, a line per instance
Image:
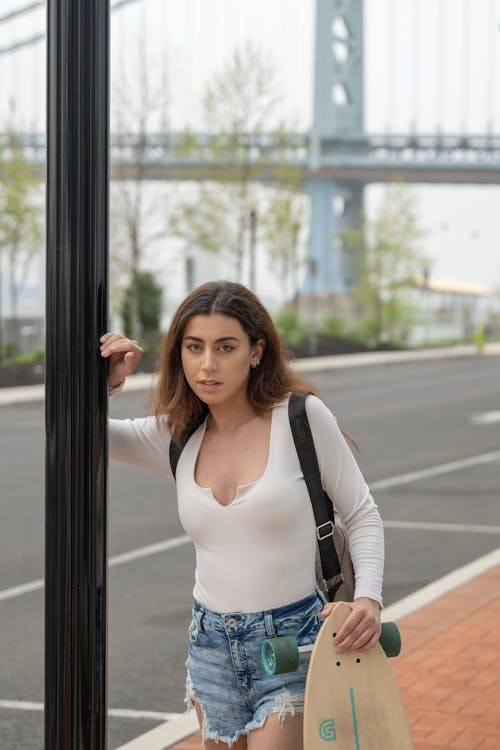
352,701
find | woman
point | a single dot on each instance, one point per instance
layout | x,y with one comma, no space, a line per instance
243,501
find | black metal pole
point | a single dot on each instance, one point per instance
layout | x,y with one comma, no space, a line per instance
76,398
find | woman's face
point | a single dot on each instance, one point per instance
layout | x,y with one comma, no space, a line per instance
217,356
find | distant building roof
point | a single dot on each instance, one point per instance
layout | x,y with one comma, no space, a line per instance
449,286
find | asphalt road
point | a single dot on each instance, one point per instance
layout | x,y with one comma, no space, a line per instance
405,418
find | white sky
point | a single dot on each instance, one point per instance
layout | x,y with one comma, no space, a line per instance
454,45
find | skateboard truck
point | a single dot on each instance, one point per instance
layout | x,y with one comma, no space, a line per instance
280,655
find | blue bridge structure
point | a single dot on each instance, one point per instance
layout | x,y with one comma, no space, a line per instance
336,158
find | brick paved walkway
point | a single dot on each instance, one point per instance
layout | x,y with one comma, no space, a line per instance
449,671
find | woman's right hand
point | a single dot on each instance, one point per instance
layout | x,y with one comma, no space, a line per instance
124,356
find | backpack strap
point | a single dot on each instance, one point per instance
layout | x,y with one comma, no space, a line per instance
321,503
175,449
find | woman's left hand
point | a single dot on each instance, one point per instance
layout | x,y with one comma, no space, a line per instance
362,628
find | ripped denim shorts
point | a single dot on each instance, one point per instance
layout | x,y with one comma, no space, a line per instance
225,675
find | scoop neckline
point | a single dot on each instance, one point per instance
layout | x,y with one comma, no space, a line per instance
208,491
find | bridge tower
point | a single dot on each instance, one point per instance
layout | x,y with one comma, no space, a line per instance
337,117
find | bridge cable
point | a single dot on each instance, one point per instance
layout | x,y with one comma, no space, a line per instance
391,72
36,90
165,84
23,43
490,87
416,65
441,57
465,65
21,11
41,36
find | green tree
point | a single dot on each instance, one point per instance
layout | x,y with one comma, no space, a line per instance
150,304
282,226
21,216
239,104
386,258
139,102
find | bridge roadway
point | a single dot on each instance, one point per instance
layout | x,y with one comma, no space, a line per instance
419,158
428,434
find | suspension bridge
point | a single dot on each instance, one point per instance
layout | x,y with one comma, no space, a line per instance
76,589
337,155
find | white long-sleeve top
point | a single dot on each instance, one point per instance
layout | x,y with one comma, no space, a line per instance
258,552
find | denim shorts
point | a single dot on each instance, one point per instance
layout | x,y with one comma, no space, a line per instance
225,675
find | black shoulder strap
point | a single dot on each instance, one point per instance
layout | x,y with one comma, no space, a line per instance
176,449
321,503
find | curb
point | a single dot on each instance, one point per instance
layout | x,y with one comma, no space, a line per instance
144,381
165,735
435,590
343,361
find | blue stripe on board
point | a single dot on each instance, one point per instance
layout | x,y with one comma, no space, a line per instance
354,719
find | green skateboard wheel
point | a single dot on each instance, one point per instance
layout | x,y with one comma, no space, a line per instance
280,655
390,639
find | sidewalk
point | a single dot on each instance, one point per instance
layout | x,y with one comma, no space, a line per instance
449,670
143,381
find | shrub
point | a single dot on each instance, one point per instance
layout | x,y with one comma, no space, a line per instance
332,326
150,299
288,324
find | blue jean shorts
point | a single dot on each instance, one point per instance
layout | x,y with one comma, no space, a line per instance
225,675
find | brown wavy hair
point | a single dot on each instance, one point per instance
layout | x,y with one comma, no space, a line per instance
268,383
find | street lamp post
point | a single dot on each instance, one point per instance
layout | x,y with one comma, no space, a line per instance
253,250
76,397
314,304
425,287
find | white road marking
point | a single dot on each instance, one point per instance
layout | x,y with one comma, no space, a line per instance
120,713
24,588
129,713
135,554
428,594
21,705
468,528
485,417
153,549
434,471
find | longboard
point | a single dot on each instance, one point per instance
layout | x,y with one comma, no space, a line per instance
352,701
